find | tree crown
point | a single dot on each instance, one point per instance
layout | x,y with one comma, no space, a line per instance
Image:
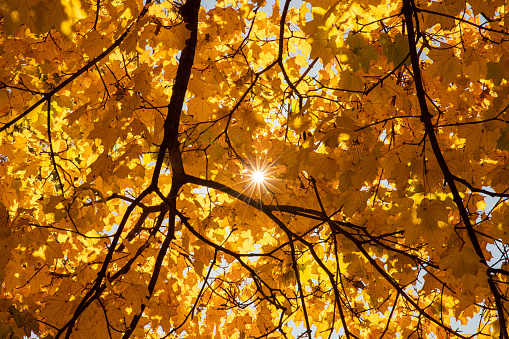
295,169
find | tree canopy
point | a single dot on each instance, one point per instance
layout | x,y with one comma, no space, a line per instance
251,169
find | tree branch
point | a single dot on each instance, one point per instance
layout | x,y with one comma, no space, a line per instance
409,10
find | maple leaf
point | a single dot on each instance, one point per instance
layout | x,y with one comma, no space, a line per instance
4,220
426,221
57,309
445,64
364,53
460,261
94,45
503,141
322,34
24,320
495,72
136,295
446,21
396,51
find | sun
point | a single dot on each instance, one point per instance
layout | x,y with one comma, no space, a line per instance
258,176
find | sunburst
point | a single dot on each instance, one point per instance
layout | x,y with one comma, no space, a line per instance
260,177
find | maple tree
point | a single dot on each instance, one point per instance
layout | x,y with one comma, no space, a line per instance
305,169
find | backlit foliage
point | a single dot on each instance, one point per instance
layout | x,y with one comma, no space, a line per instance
131,133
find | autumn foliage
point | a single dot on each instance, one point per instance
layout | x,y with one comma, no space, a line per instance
244,169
